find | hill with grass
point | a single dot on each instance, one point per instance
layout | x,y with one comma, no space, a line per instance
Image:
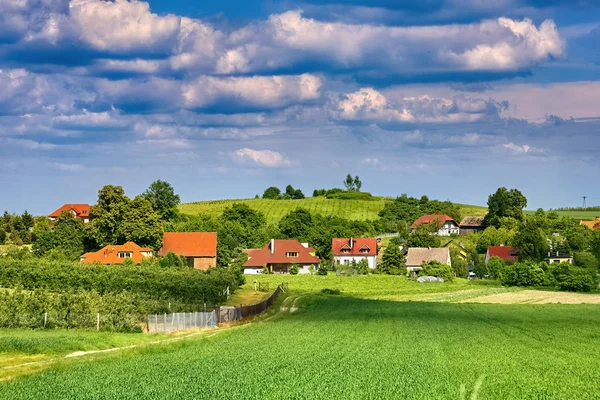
274,210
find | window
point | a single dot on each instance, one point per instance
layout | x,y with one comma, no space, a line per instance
124,254
345,250
83,212
190,262
292,254
364,250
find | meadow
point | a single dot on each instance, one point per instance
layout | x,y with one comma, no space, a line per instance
354,348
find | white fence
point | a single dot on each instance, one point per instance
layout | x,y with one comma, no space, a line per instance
166,323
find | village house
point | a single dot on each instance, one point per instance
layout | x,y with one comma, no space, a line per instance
417,256
117,254
348,251
79,211
279,255
595,224
557,257
445,224
198,248
472,224
508,254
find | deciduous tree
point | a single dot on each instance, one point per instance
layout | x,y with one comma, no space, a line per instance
163,199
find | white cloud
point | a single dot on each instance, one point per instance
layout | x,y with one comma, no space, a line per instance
265,158
522,149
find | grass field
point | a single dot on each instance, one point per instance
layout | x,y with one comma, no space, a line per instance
274,210
353,348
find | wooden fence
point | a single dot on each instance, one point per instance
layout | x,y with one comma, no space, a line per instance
254,309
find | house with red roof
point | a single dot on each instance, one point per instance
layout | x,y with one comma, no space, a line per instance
507,253
279,255
347,251
446,225
117,254
80,211
198,248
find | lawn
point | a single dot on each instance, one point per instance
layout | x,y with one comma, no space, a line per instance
353,348
274,210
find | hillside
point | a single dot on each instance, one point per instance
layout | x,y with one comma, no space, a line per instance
274,210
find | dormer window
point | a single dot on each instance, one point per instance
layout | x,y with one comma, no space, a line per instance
364,250
346,250
124,254
83,212
292,254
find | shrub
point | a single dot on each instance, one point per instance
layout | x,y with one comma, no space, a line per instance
294,269
496,268
524,274
574,279
350,195
322,270
436,268
331,291
362,267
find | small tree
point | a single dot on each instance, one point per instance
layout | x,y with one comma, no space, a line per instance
357,183
294,269
163,199
496,268
393,261
362,267
349,182
272,193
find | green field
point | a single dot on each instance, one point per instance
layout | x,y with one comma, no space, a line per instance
353,348
274,210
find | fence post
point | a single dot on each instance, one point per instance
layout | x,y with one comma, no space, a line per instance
45,319
97,321
165,324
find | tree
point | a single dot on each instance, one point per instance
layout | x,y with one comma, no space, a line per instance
357,183
349,182
459,264
298,194
163,199
531,243
524,274
362,267
2,235
272,193
422,237
586,260
294,268
505,203
27,220
67,237
141,224
496,268
244,215
393,261
106,216
296,224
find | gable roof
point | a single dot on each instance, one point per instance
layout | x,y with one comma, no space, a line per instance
506,253
109,254
416,256
78,208
473,220
429,218
357,244
591,224
190,244
263,256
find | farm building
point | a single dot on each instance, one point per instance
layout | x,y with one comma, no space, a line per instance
79,211
346,251
505,253
417,256
198,248
445,224
595,224
116,254
279,255
472,224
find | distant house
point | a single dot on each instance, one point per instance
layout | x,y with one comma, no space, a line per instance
592,224
116,254
280,255
505,253
472,224
345,251
445,224
557,257
199,248
79,211
417,256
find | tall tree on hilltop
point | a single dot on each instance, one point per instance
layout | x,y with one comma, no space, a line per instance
357,183
505,203
349,182
163,199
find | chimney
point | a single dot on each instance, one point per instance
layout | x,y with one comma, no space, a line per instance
351,243
272,246
305,245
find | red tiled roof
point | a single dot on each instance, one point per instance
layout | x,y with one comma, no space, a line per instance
109,254
190,244
507,253
78,208
429,218
263,256
355,250
591,224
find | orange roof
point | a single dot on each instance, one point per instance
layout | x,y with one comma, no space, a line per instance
81,210
591,224
264,256
110,254
354,248
429,218
190,244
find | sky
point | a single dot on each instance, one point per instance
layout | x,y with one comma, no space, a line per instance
445,98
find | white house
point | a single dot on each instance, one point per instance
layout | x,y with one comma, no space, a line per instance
345,251
445,224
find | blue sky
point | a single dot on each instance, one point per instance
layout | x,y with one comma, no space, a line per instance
448,98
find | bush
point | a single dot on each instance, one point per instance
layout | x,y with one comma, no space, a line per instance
350,195
524,274
574,279
435,268
362,267
322,270
331,291
496,268
294,269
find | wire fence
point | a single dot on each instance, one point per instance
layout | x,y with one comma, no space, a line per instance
52,320
167,323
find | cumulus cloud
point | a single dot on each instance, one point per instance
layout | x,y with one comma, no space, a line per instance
265,158
368,104
522,149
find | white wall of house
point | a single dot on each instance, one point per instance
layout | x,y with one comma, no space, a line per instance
347,259
449,228
305,269
253,271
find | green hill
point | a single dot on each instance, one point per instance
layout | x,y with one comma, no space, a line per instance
274,210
